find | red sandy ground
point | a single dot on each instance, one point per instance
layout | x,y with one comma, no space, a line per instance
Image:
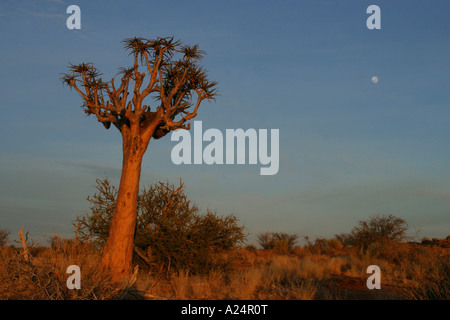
351,288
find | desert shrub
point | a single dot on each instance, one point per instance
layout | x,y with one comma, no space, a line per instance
281,243
94,226
316,246
264,240
377,231
334,244
171,232
322,245
344,238
4,234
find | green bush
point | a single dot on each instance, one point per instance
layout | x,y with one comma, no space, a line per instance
171,232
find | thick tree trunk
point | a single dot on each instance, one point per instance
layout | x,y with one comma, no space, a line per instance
118,251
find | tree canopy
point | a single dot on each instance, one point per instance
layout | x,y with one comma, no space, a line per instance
175,81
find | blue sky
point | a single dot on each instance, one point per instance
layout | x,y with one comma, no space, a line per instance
349,148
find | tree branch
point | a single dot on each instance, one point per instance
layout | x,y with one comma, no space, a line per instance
174,81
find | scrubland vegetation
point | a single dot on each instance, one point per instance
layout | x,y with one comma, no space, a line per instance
181,253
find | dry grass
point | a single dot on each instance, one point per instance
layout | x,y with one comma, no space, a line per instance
243,285
408,272
44,276
433,286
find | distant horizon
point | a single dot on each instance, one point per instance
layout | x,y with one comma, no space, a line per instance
363,115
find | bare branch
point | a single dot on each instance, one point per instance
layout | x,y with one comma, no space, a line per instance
26,253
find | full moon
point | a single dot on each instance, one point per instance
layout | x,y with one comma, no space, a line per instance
375,79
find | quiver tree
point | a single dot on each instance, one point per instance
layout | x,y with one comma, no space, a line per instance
175,84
